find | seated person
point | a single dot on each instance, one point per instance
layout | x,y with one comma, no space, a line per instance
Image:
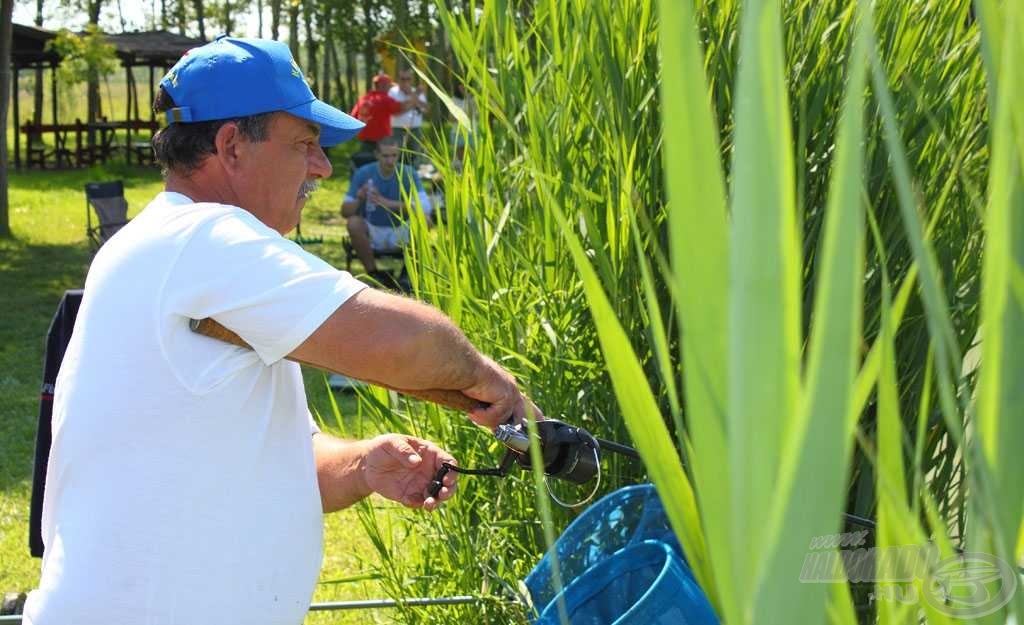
376,212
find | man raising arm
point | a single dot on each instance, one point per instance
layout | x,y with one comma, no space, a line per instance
187,480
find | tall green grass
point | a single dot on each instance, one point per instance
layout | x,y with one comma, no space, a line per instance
757,240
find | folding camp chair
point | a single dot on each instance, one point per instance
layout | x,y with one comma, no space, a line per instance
351,255
107,200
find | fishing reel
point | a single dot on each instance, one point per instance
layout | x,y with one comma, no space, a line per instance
568,453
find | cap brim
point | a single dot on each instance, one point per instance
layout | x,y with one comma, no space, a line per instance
335,126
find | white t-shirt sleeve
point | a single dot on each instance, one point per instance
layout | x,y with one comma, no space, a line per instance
264,287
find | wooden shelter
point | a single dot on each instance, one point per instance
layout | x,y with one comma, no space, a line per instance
151,49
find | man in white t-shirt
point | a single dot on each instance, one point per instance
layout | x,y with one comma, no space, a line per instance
407,126
187,481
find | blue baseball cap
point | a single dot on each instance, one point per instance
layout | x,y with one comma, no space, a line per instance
232,77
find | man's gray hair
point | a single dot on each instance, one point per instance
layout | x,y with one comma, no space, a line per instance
181,148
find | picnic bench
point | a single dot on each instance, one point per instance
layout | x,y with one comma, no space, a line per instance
70,145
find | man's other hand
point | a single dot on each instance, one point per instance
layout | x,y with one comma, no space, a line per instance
401,467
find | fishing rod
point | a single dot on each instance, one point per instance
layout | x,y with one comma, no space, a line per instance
568,453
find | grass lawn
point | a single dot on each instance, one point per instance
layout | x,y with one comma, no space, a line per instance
49,254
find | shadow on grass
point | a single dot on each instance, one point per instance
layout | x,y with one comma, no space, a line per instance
75,179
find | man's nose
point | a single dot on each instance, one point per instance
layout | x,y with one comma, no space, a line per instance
319,165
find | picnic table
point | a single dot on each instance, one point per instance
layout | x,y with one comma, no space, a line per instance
70,146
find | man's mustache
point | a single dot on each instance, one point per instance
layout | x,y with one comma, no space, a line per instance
307,188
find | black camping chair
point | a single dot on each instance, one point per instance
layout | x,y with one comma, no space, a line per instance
350,254
106,199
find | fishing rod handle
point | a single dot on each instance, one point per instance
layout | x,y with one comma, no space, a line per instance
444,397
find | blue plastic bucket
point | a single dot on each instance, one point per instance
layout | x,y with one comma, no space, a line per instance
646,583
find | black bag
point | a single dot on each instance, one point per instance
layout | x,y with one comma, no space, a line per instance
57,339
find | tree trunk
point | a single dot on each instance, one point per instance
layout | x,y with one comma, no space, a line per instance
351,80
94,11
6,35
120,14
402,25
229,22
293,29
328,68
441,64
312,47
328,71
425,11
275,19
341,89
37,99
181,17
94,110
259,19
197,5
369,53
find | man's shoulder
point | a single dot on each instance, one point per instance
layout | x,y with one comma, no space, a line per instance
171,206
177,211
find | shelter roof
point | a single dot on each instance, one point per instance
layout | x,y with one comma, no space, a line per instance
28,45
154,47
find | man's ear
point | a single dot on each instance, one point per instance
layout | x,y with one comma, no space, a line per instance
230,146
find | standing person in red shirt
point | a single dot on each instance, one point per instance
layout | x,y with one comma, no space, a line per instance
375,108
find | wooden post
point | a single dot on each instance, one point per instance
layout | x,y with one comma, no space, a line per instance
59,141
152,96
79,157
129,86
17,120
53,90
127,89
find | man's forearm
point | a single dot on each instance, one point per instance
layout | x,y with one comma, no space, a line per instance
396,206
396,341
